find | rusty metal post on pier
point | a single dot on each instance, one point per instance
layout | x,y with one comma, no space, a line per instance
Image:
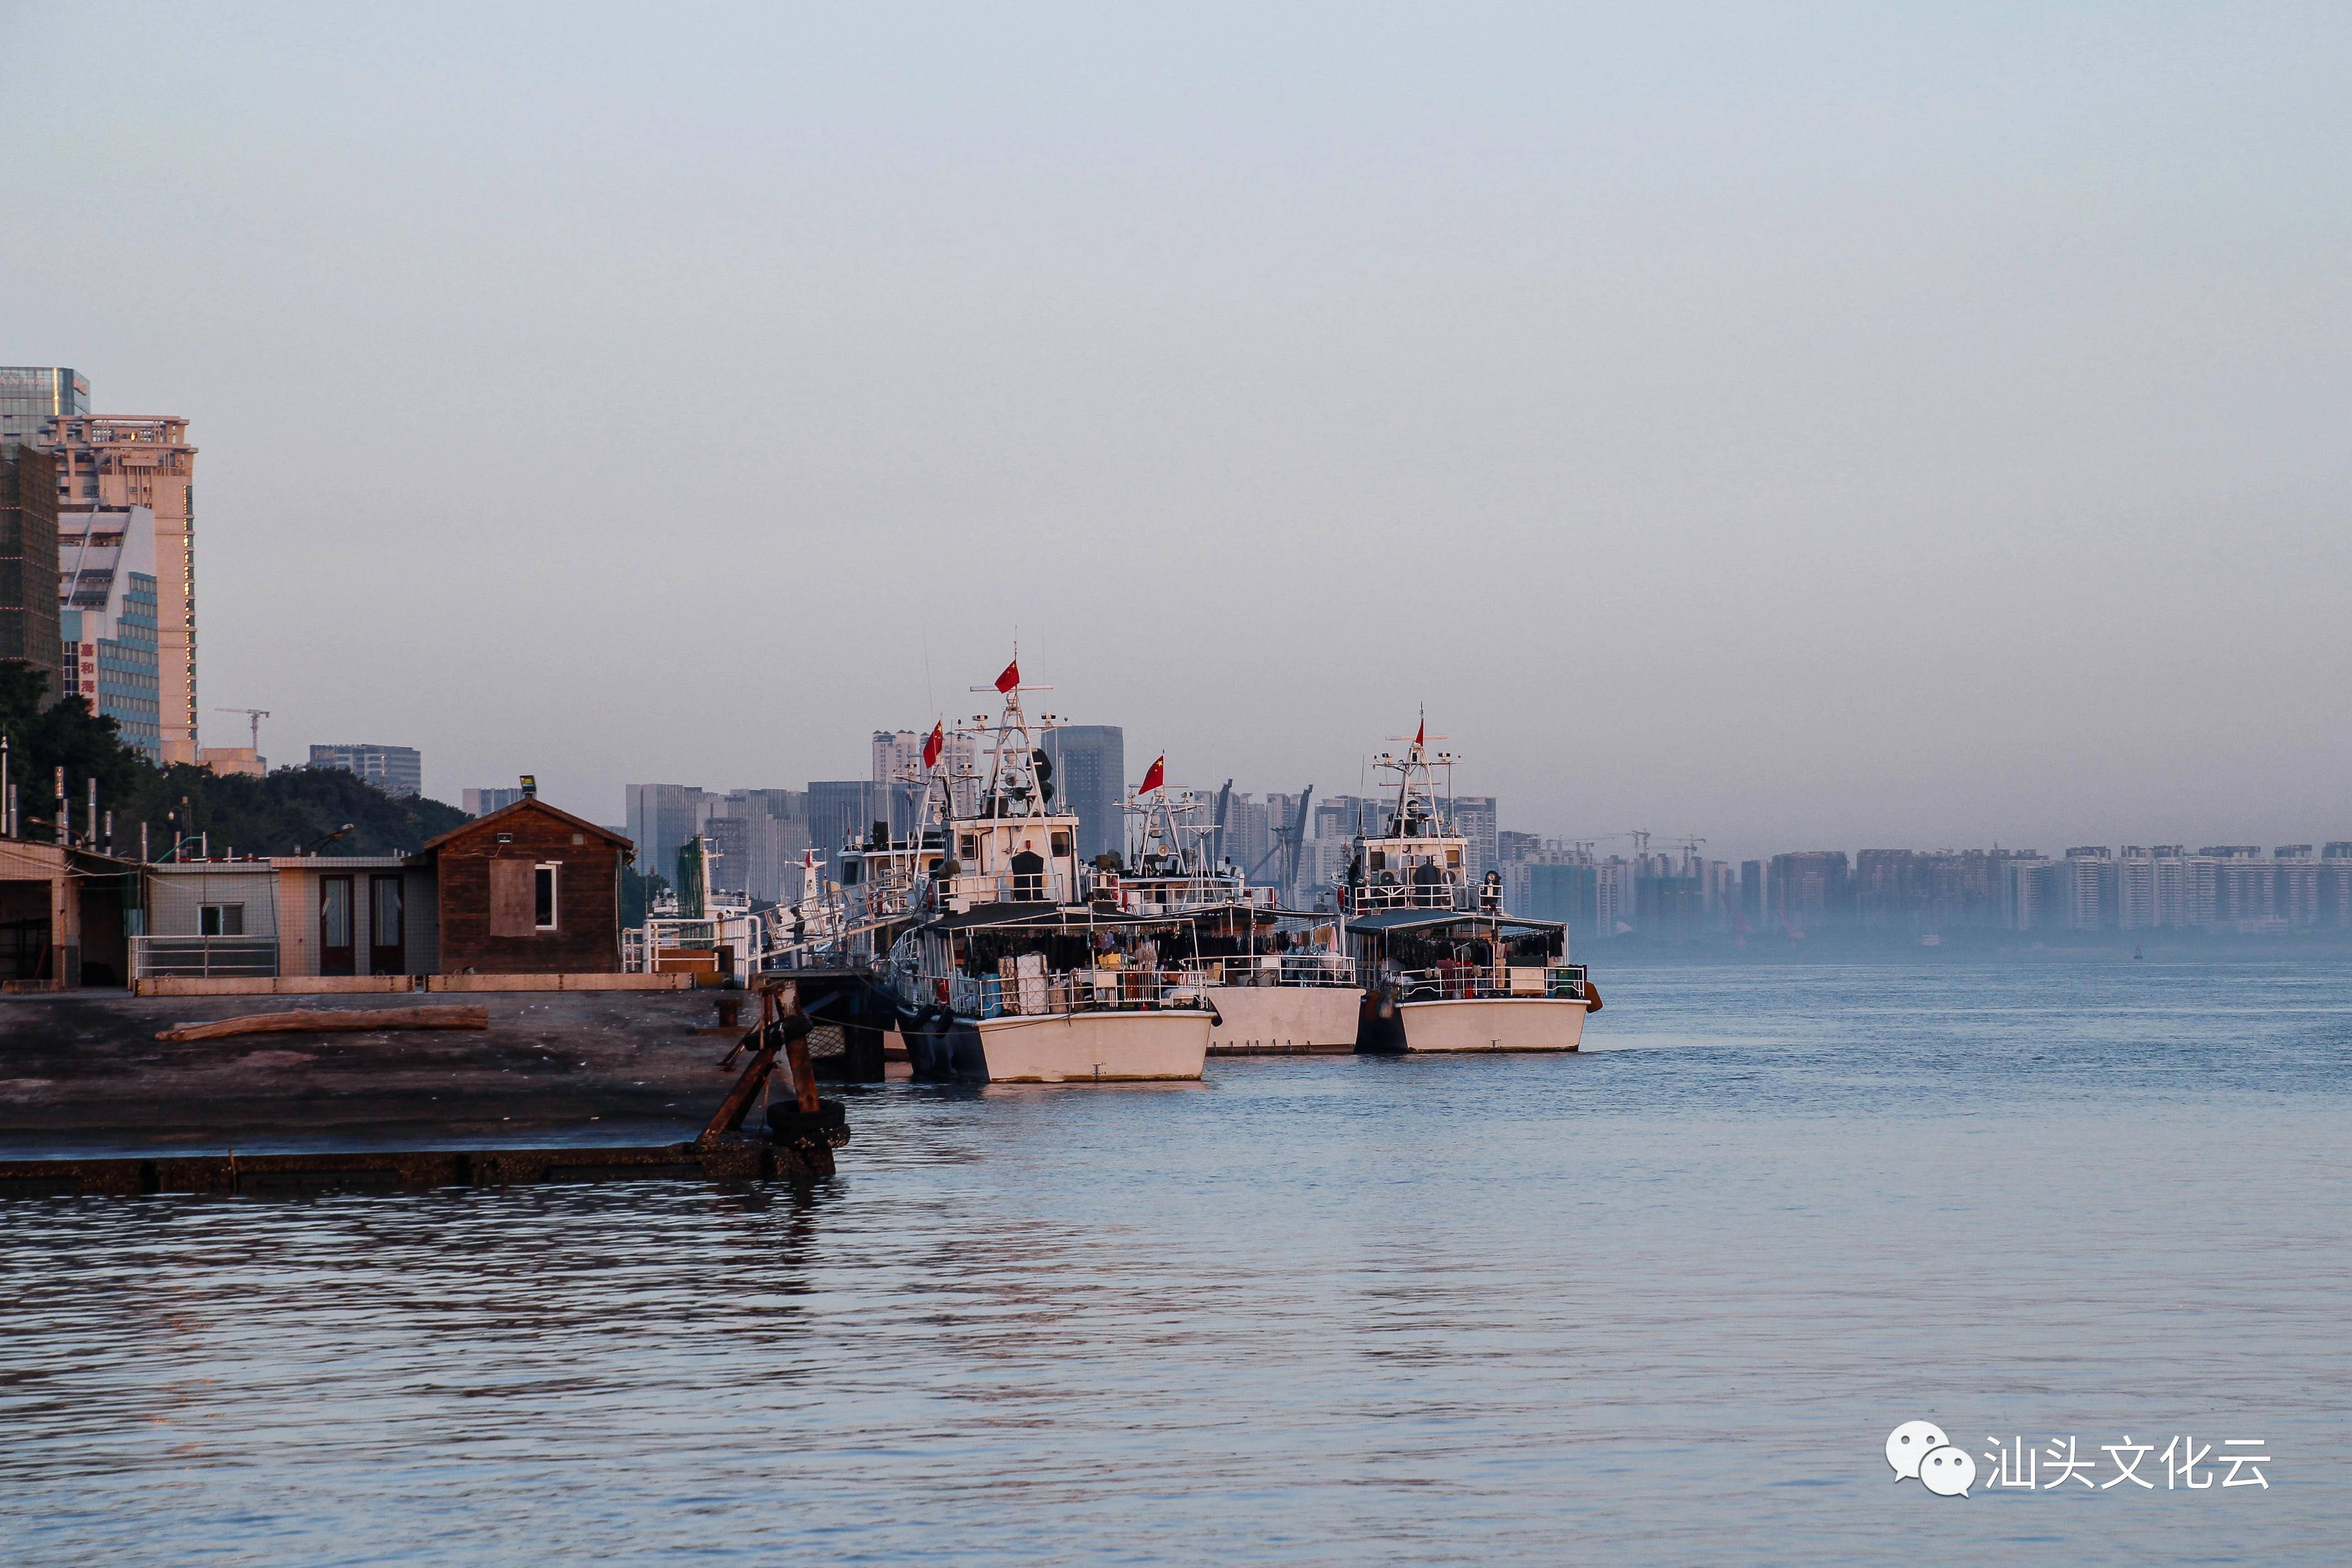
806,1136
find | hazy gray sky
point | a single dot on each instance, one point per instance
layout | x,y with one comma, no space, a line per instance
1790,424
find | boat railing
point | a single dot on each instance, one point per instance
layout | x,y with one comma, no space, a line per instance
1145,894
1371,897
833,952
1275,969
1486,982
666,944
893,895
1053,994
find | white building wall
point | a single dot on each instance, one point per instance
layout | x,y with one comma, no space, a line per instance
173,898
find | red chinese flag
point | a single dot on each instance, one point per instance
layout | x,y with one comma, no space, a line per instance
1420,735
1154,776
935,745
1011,677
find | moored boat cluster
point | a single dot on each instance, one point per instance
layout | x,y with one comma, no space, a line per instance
1003,956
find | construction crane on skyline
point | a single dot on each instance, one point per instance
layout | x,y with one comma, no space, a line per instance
255,714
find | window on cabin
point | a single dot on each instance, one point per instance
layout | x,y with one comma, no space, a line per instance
542,894
384,911
220,920
1061,843
970,848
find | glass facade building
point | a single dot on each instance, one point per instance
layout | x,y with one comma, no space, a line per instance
839,809
32,395
395,769
117,674
1090,780
28,558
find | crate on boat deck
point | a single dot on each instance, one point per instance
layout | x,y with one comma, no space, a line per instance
1021,978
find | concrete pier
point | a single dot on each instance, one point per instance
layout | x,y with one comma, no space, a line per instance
562,1085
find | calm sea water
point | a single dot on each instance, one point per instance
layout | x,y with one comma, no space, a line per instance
1661,1304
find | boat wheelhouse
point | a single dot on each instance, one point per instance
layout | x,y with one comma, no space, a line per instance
1165,868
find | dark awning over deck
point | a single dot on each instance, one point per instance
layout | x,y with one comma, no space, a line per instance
1390,922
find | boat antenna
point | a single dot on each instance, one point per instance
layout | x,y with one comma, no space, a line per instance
930,693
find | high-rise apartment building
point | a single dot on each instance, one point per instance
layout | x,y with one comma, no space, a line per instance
1810,887
897,755
29,561
840,809
1249,836
2235,884
757,834
116,461
2298,884
482,802
1514,846
1474,818
2023,888
897,767
1090,780
2138,898
898,773
1344,817
32,395
1555,891
1614,898
395,769
106,618
661,818
2336,883
2086,889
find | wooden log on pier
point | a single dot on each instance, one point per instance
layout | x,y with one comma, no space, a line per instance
314,1021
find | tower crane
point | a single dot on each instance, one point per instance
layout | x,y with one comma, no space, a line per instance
255,715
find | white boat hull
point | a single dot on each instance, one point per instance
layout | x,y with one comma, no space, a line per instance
1096,1047
1496,1023
1268,1020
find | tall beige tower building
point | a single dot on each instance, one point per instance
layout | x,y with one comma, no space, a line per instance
116,460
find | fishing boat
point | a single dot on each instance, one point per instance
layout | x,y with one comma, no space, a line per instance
1016,974
1444,968
1278,982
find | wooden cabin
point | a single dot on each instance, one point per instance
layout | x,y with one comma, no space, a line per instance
527,890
